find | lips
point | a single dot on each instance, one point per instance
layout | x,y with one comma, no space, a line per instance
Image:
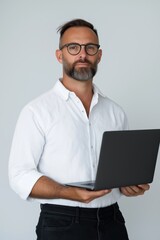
82,63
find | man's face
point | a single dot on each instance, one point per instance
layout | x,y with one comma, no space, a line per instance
82,66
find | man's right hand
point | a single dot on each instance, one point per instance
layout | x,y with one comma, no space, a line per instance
47,188
83,195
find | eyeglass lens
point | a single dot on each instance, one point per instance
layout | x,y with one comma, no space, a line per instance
75,48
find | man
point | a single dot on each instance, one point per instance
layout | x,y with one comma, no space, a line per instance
57,140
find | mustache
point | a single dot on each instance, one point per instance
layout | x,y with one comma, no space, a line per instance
82,61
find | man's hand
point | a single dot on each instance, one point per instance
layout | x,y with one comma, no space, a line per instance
134,191
47,188
83,195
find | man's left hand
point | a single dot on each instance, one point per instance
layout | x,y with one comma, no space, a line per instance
134,191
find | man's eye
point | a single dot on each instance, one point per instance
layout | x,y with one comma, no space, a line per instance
91,47
73,47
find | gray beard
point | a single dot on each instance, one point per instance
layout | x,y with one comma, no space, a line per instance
81,74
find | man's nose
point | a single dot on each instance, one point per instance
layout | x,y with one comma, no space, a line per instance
83,53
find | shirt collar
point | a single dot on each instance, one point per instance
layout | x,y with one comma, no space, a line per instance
96,90
60,89
63,92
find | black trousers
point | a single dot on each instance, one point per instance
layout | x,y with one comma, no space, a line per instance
73,223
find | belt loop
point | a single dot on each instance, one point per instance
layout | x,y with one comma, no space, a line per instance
77,215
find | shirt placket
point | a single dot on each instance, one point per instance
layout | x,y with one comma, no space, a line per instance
92,138
90,132
92,149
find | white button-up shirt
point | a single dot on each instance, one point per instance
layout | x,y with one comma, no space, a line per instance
55,137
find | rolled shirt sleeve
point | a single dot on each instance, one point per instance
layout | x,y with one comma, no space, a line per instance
26,150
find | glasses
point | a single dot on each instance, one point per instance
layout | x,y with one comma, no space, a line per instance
75,48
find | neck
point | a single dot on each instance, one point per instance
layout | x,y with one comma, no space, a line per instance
83,90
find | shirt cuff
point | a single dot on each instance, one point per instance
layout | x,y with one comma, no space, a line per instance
24,183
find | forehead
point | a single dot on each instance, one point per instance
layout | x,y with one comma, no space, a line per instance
80,35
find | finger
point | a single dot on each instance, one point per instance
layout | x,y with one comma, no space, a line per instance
100,192
138,190
91,195
125,191
144,186
132,191
135,189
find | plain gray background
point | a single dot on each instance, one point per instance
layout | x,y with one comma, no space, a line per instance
129,73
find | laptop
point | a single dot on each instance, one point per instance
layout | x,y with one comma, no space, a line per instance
126,158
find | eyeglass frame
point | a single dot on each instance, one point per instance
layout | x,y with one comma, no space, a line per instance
80,45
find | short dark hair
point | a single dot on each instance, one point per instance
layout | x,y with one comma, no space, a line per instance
75,23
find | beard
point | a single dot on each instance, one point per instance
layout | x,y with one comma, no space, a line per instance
80,73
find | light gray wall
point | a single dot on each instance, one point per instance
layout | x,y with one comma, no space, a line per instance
129,73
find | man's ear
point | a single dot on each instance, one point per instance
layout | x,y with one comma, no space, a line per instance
99,55
58,54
